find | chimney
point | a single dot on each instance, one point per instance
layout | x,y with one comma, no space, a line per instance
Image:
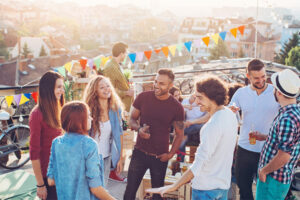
22,65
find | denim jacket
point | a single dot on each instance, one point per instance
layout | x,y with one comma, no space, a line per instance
115,119
75,166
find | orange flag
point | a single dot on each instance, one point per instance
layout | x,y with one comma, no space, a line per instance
206,40
148,54
157,50
241,29
83,63
165,50
233,32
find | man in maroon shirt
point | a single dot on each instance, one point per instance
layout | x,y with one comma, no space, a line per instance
152,116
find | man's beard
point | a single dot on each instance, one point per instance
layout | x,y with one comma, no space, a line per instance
259,87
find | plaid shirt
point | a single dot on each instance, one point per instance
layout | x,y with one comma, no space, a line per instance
284,135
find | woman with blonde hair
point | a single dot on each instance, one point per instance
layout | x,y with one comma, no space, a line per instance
44,123
105,107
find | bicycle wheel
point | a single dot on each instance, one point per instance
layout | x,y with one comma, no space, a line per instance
14,149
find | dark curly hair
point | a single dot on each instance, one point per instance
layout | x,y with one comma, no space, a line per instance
214,88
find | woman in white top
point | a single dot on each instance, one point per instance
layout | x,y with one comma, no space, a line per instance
105,107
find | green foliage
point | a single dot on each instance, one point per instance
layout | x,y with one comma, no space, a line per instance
43,51
293,58
25,50
69,93
283,54
218,50
128,74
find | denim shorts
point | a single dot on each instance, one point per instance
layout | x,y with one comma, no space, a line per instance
217,194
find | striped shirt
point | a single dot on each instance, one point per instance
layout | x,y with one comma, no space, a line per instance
284,135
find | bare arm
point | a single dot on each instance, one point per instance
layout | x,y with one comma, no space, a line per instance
280,159
101,193
201,120
134,117
185,178
179,128
41,191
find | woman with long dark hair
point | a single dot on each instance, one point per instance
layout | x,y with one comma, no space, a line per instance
44,122
105,107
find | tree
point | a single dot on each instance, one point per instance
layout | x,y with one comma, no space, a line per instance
241,53
26,50
43,51
293,58
218,50
283,54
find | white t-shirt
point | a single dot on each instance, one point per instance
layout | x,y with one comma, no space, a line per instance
258,113
193,114
104,142
214,155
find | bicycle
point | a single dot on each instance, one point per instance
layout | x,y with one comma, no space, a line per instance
14,142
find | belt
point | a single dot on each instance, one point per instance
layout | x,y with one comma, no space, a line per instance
147,153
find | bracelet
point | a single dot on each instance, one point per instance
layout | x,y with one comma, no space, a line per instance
39,186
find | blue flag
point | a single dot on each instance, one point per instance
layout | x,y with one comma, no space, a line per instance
223,35
188,45
132,57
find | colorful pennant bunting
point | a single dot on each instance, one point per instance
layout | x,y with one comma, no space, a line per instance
148,54
197,43
97,62
165,50
157,50
188,45
27,95
68,66
91,63
35,96
17,98
241,29
23,99
9,100
215,38
132,57
206,41
223,35
172,50
139,56
233,31
104,60
179,47
62,71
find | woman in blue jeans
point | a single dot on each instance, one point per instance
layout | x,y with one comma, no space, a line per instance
75,166
105,107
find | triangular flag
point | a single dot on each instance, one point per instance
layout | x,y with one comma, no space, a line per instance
148,54
215,38
27,95
9,100
241,29
132,57
68,66
157,50
179,47
206,41
172,50
233,31
139,56
17,98
97,62
104,60
188,45
83,63
223,35
91,63
62,71
35,96
197,43
165,50
23,99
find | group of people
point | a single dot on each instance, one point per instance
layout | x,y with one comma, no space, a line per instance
74,146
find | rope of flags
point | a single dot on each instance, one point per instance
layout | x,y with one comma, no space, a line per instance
100,61
20,99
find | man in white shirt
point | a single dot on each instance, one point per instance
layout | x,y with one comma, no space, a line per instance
259,108
194,120
211,171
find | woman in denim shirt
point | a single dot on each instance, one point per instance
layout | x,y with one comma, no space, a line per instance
75,166
105,107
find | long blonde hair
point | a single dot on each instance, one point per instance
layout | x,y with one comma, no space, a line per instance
92,100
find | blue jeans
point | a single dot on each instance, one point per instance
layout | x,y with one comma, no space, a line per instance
191,130
217,194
